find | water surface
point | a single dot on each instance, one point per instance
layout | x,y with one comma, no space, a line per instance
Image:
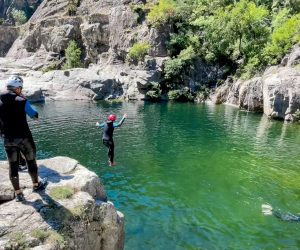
188,176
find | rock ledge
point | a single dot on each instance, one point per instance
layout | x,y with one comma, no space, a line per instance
72,213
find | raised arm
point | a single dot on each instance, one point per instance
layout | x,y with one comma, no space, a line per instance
119,124
99,125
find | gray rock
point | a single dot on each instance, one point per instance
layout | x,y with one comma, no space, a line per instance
86,220
276,92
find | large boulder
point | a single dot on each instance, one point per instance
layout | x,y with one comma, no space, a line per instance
276,92
282,92
246,95
72,213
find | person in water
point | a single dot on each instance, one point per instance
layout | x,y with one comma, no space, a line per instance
285,216
17,135
108,130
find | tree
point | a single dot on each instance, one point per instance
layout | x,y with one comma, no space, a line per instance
73,54
19,16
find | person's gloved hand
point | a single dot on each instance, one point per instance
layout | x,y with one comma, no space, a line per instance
97,124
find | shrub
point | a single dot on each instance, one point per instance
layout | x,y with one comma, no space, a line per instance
19,16
174,67
282,40
50,67
138,51
154,93
17,240
139,10
161,13
297,115
73,54
1,21
180,95
71,9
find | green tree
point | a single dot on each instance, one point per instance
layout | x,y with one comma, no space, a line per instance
162,12
237,31
138,51
284,36
19,16
73,54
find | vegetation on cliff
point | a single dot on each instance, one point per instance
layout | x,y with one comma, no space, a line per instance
244,35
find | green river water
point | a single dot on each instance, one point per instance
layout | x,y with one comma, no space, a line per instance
188,176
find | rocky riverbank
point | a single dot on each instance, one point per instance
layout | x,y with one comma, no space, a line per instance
72,213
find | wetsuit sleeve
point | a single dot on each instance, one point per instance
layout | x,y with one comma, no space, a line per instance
30,111
119,124
100,125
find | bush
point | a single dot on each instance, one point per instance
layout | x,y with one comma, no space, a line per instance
283,38
1,21
297,115
180,95
162,12
73,54
139,10
138,51
50,67
19,16
154,94
71,9
175,67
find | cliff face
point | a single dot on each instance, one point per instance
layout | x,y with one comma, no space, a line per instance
103,29
72,213
28,6
276,92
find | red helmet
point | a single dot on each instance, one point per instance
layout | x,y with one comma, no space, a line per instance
111,118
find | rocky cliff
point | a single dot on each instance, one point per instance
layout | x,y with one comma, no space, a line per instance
72,213
276,92
105,30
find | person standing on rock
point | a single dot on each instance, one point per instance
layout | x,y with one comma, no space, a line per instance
108,130
17,135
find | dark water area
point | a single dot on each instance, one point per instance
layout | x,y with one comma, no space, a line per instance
188,176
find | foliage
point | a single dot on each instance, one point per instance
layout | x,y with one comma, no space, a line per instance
73,54
72,7
284,36
248,35
139,9
236,31
138,51
175,67
51,67
17,240
161,13
58,240
1,21
297,115
41,235
63,192
19,16
180,95
154,92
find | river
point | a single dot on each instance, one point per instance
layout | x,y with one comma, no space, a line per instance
188,176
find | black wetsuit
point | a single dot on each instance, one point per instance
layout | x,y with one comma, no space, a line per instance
107,138
108,141
17,135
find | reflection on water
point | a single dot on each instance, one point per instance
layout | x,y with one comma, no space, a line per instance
188,176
